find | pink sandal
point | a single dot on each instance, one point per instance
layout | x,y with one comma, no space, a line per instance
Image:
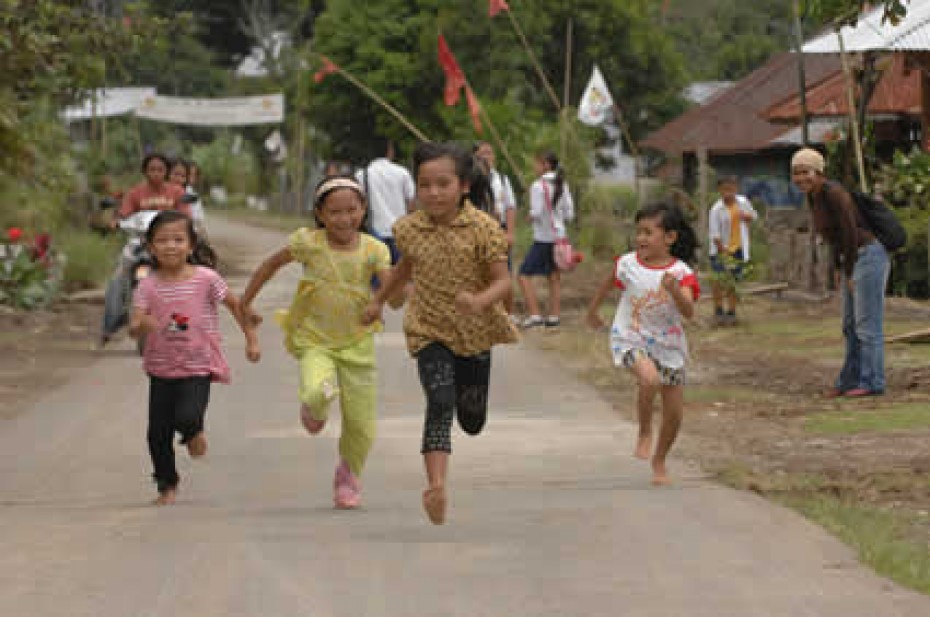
346,488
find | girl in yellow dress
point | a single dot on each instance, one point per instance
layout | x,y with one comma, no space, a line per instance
323,328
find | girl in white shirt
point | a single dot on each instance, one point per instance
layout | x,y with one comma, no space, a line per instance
659,289
551,207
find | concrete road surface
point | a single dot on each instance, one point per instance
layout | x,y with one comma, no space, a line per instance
549,515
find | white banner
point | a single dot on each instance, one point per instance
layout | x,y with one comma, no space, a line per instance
240,111
106,102
596,102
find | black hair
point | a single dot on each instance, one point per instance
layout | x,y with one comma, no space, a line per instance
550,159
202,254
318,200
467,168
727,180
161,157
671,218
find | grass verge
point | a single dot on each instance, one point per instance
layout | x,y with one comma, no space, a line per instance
887,541
846,422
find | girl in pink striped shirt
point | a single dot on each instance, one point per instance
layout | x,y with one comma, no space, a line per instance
175,308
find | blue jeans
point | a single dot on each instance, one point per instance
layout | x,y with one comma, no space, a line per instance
863,320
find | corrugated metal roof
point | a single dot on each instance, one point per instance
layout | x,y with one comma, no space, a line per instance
818,132
869,34
897,93
733,121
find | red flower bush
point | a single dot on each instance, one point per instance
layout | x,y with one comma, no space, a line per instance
14,234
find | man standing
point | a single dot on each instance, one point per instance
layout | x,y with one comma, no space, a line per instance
390,192
505,204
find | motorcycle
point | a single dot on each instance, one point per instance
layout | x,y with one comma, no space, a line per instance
134,264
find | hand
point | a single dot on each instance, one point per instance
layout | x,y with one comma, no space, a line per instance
467,303
372,313
249,317
670,282
594,320
148,324
253,351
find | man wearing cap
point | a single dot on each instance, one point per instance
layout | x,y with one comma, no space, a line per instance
863,266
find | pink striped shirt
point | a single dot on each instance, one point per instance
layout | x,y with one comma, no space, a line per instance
188,341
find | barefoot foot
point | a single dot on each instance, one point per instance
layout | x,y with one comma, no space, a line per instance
643,447
166,497
660,474
197,446
434,502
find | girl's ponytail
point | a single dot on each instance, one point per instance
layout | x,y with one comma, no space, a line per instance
203,254
552,161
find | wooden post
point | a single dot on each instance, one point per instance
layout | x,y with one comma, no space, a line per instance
802,77
702,196
853,122
563,117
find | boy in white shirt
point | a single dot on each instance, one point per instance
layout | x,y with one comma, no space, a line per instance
729,235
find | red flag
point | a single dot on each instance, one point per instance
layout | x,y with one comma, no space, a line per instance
474,108
455,78
329,67
496,6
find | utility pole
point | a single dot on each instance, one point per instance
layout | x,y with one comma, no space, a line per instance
802,76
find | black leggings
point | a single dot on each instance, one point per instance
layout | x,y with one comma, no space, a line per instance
175,405
453,385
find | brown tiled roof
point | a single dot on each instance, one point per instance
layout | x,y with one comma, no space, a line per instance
733,121
897,93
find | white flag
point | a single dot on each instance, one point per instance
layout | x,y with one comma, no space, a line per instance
596,102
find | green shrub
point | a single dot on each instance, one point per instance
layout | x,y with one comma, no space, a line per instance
906,185
89,258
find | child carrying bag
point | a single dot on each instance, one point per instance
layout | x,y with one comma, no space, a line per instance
565,256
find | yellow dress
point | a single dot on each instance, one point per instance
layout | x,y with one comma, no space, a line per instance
323,330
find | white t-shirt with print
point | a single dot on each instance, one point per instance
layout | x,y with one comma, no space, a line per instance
647,317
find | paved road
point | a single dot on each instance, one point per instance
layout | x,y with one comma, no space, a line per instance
550,515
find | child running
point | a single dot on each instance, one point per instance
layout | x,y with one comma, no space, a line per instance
323,328
658,289
456,257
175,310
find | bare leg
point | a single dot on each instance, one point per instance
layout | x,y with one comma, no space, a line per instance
717,293
529,295
555,294
434,498
648,378
731,300
672,411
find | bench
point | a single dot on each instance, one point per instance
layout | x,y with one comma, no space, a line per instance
775,288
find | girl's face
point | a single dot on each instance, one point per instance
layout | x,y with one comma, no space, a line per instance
653,242
341,213
540,166
171,245
156,172
178,175
807,179
439,189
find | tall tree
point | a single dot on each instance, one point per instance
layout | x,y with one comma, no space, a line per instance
391,45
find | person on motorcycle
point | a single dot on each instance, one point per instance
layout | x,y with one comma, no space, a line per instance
155,193
180,173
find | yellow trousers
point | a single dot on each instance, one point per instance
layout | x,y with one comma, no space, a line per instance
348,373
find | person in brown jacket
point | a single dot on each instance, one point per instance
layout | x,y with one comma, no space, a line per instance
863,265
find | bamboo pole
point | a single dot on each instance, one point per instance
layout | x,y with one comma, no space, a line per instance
536,65
853,122
563,117
377,99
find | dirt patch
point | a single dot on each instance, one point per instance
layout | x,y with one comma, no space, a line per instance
755,389
40,349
